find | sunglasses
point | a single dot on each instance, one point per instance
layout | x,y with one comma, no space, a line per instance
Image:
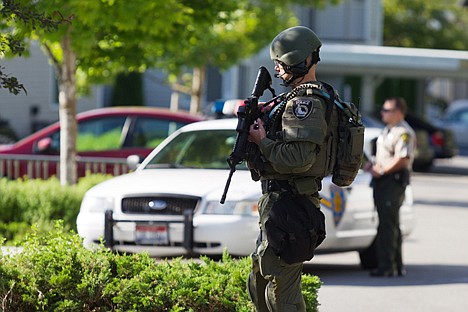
277,63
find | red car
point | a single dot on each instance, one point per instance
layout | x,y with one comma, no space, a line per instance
106,137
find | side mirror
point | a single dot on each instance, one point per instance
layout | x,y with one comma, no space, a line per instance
133,161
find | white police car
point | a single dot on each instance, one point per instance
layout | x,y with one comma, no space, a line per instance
171,204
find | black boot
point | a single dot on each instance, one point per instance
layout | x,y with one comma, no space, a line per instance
382,273
401,271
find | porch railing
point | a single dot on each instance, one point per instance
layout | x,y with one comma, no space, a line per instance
34,166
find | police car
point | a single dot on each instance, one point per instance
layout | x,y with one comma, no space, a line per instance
171,206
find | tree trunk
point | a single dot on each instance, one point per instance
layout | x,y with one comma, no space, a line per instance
67,113
198,81
174,106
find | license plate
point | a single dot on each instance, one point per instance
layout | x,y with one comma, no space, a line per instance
152,234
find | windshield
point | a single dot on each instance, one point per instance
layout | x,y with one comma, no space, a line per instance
204,149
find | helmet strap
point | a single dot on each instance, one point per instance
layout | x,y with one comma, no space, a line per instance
315,56
296,71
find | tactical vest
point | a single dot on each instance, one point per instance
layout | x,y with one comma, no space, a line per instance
341,151
326,153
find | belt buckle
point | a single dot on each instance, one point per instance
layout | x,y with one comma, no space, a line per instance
267,185
270,185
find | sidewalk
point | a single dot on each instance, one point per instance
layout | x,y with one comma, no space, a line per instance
7,250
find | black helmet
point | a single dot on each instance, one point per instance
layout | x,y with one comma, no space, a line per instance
293,45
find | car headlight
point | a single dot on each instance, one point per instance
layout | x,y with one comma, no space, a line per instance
249,208
97,204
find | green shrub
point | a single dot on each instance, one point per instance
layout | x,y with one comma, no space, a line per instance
55,273
14,231
25,202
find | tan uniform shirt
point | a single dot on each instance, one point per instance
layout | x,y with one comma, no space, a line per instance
396,141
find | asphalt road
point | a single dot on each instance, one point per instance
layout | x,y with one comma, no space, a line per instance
435,254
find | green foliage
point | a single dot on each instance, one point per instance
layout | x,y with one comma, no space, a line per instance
14,231
425,24
55,273
113,37
310,287
26,202
13,44
10,83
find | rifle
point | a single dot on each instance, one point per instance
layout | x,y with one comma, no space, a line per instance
246,116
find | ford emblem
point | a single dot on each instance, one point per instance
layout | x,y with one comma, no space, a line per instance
157,204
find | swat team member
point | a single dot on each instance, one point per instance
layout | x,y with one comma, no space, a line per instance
289,151
391,172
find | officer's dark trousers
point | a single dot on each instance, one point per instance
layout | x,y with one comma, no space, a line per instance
388,198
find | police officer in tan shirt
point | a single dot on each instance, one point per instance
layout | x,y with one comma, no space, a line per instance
391,173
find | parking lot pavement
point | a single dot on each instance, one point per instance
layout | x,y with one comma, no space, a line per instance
457,165
435,254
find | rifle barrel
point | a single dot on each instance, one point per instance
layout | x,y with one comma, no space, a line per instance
228,182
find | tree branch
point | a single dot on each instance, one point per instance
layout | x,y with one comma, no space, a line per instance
55,61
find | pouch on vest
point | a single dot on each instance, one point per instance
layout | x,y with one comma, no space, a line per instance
295,228
347,137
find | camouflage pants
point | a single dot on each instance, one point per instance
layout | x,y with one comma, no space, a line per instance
273,285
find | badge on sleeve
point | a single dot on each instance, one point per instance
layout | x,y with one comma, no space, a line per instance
302,108
405,137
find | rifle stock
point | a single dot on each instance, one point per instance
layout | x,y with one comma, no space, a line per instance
246,116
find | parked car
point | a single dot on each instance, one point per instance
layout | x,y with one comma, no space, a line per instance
425,152
105,138
170,205
456,119
441,139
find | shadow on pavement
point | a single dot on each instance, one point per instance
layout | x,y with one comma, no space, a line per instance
417,275
443,203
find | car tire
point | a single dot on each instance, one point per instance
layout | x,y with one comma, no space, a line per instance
368,257
423,166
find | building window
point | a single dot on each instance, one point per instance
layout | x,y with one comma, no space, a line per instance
54,99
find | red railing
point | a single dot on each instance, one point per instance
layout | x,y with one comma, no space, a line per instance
43,167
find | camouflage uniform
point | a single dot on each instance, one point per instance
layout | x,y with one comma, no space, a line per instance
389,193
290,156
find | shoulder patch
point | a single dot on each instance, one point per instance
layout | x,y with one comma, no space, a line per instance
405,137
302,108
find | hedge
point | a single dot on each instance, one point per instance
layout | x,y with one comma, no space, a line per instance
55,272
27,202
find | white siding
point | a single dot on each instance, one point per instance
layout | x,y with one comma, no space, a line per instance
35,73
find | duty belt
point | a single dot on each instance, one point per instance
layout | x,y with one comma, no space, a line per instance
276,186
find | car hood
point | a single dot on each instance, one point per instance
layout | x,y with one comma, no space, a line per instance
192,182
